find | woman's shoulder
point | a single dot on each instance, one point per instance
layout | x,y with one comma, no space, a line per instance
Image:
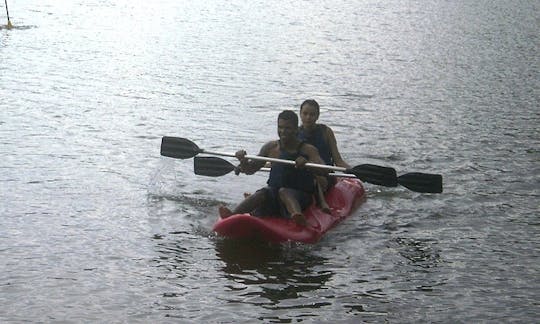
325,129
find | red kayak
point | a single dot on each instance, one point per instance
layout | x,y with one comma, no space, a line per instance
343,198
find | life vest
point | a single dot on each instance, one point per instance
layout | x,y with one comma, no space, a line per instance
316,138
288,176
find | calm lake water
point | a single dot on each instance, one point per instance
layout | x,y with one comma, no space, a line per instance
96,226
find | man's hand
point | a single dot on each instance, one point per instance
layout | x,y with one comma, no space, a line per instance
300,162
246,166
240,155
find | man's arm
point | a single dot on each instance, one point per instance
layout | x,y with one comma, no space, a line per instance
248,166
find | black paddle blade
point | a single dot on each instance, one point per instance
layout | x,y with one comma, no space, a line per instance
212,166
179,148
422,182
375,174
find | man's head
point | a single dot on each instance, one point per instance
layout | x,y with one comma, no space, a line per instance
287,125
288,115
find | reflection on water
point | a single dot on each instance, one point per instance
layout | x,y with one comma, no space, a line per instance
258,275
269,274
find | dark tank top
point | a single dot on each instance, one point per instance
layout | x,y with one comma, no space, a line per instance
285,175
316,138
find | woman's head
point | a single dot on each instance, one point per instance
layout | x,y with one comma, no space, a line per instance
309,112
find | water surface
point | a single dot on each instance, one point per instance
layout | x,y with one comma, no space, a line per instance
96,226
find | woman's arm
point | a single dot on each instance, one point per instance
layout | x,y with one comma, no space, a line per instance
332,143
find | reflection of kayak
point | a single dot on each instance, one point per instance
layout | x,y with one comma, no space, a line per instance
343,199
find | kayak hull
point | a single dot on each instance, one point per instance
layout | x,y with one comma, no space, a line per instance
343,198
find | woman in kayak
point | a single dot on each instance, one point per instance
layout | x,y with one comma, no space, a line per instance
323,138
290,188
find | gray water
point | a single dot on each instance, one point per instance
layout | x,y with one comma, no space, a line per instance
96,226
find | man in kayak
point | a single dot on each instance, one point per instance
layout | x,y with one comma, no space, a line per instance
323,138
290,188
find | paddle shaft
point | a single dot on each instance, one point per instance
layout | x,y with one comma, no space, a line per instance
269,159
340,175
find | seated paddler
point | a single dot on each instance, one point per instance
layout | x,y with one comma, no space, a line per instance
323,138
290,188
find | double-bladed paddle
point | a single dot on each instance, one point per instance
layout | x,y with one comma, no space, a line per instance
182,148
415,181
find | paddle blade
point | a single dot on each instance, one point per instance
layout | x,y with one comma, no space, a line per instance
375,174
422,182
179,148
211,166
